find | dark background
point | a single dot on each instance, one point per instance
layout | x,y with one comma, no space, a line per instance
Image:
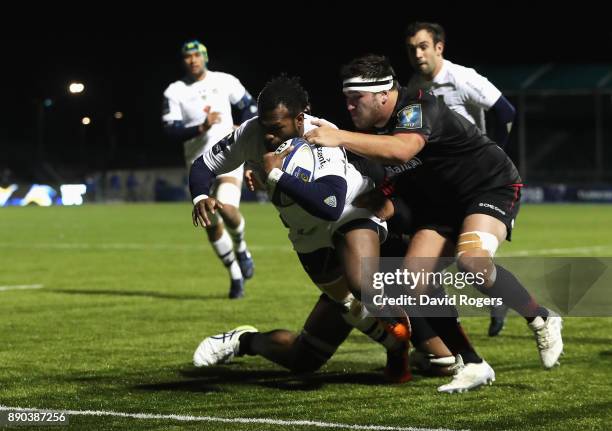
126,62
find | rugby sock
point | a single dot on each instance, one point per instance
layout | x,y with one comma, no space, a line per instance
237,235
514,295
421,330
245,344
358,317
225,250
444,321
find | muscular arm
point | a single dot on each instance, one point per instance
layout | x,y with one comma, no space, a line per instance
388,149
323,198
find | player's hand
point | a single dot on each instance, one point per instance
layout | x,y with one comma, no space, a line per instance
202,209
375,201
273,160
211,118
325,135
252,180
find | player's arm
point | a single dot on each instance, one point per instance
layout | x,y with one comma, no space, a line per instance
178,132
504,114
172,118
225,156
323,198
240,99
478,90
246,107
393,149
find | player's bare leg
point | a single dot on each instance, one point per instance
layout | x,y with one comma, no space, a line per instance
230,189
324,331
424,252
353,246
477,245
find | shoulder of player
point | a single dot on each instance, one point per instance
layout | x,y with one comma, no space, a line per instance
249,130
308,126
175,88
461,74
222,76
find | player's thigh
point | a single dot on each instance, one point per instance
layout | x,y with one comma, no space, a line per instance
428,243
428,251
358,247
484,223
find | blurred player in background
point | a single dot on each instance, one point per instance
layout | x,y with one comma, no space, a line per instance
464,91
197,111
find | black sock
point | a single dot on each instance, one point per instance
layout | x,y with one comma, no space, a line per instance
514,295
421,330
245,344
451,332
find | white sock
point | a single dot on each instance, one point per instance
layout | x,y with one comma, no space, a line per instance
358,317
238,236
225,250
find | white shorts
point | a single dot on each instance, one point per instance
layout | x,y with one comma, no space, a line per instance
228,193
321,235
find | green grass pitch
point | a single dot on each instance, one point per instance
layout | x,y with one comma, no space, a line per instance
130,290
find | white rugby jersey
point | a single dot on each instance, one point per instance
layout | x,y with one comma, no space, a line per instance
464,91
306,232
186,101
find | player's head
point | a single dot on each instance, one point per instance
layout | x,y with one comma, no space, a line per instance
281,106
195,57
425,45
367,83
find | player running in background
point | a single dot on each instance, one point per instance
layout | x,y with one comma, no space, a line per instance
198,112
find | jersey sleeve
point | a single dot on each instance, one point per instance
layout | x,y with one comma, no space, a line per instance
478,90
229,153
418,116
235,88
171,108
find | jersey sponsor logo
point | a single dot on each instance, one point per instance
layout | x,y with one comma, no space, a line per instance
222,145
322,160
491,206
398,169
411,117
331,201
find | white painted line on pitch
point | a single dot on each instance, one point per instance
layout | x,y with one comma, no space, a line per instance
187,418
21,287
129,246
555,251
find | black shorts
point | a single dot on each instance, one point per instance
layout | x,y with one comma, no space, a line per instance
502,203
323,265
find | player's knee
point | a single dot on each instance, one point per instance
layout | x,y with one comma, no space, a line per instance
477,243
230,214
475,251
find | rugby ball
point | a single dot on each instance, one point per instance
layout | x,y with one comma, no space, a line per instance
300,163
